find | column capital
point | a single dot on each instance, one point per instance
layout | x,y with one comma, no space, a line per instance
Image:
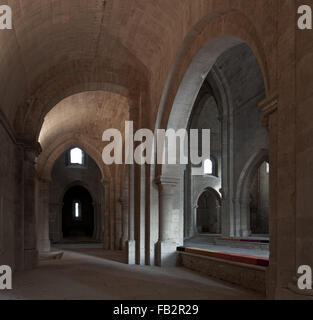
166,185
32,149
268,107
164,180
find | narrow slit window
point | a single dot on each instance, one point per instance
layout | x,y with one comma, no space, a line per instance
77,210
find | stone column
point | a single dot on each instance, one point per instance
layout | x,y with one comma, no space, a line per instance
243,206
112,216
219,222
118,225
55,222
167,244
43,240
97,220
140,213
269,120
124,206
106,237
29,172
193,227
131,244
19,212
101,213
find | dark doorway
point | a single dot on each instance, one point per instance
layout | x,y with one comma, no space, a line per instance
77,213
208,213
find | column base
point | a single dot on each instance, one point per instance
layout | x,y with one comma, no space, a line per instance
166,254
30,259
131,251
44,245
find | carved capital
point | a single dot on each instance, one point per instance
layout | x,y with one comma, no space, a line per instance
32,148
167,184
268,107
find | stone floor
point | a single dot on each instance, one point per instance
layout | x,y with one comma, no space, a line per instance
92,273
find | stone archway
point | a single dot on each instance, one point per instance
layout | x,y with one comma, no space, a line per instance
183,85
208,216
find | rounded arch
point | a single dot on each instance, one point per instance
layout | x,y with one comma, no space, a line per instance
76,183
47,159
209,39
61,94
78,77
211,190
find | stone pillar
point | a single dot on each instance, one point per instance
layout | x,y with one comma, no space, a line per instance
118,225
55,223
219,222
19,212
29,172
124,206
194,227
43,240
97,221
243,206
106,237
228,217
112,220
140,213
269,120
131,244
167,244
